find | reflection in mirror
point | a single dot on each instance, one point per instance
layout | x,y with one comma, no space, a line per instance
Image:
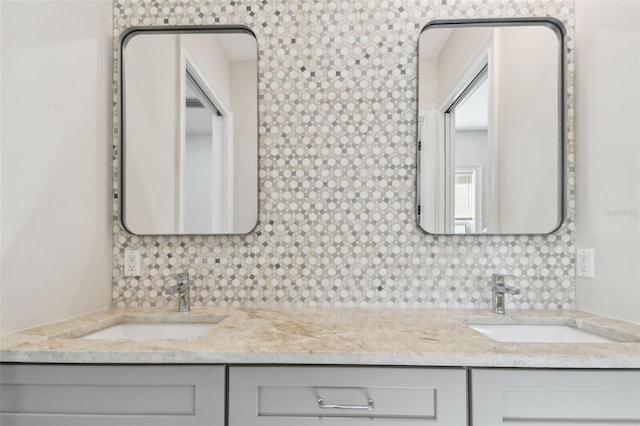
490,128
190,135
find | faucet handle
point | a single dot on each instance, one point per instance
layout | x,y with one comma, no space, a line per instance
174,289
182,290
499,282
181,286
500,279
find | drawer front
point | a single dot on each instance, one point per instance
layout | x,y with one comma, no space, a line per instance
300,396
555,397
111,395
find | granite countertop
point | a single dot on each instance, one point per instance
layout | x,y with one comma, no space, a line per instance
350,336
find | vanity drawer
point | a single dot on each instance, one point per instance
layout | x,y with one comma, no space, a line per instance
555,397
103,395
284,396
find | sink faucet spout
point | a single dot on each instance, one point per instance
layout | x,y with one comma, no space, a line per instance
182,290
499,289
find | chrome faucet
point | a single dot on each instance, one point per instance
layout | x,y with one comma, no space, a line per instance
498,290
182,290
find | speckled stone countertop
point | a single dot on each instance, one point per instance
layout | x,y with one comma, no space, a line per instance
371,336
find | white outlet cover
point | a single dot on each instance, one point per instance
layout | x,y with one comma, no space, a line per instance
584,263
131,263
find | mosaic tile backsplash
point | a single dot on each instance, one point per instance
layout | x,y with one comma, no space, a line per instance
337,105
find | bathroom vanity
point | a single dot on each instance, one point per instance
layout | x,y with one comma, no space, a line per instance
315,366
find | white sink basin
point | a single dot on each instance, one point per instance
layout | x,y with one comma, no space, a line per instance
538,333
160,330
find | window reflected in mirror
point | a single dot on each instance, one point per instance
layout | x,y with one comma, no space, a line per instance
491,128
466,196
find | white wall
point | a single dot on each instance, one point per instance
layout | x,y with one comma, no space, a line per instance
528,131
151,90
608,154
56,161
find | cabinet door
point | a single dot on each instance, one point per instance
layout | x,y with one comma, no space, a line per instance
104,395
300,396
555,397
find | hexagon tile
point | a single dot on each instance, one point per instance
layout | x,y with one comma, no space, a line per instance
337,106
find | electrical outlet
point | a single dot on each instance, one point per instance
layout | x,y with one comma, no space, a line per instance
584,263
132,263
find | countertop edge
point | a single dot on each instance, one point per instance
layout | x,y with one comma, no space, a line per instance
358,359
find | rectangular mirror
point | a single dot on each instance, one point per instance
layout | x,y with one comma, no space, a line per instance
189,159
491,127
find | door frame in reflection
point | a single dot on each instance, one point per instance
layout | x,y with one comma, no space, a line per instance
222,152
478,73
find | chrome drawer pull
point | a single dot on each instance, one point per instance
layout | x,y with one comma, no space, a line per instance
369,405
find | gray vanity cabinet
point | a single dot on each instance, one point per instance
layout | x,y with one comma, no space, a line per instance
109,395
196,395
346,396
522,397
